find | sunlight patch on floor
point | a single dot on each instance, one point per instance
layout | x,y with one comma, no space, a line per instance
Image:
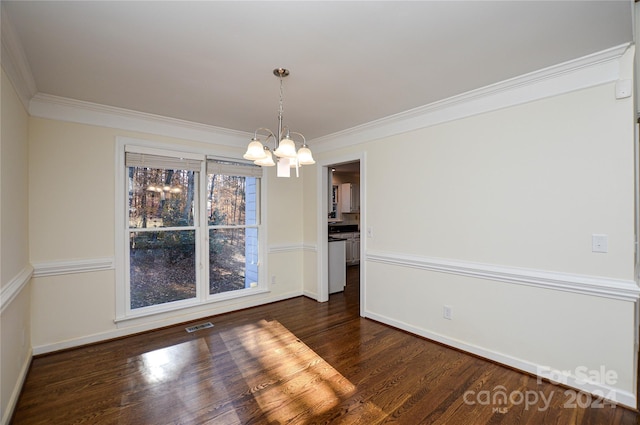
292,379
166,364
170,373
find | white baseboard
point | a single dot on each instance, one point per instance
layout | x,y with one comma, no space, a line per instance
608,393
15,394
156,324
309,294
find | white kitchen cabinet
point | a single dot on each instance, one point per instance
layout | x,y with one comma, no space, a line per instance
337,268
355,249
350,197
352,248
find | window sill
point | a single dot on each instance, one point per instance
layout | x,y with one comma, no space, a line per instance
169,310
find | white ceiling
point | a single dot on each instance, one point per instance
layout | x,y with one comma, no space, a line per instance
350,62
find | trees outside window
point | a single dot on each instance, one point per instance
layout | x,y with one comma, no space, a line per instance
178,224
162,236
233,232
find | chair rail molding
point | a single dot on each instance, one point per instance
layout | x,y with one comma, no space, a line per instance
15,286
292,247
619,289
61,267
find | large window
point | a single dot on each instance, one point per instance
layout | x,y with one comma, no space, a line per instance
232,215
192,230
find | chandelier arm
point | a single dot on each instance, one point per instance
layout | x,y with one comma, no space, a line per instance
269,135
285,148
304,141
255,133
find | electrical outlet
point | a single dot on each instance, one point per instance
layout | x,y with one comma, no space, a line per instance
273,279
447,312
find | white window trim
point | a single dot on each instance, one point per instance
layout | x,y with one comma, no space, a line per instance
123,310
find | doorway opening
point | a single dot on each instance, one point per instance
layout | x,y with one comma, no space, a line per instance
343,230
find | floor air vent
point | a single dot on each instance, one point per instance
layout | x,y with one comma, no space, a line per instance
198,327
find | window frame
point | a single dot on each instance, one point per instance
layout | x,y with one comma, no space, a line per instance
124,311
208,227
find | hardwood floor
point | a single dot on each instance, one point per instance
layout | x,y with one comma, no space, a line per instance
291,362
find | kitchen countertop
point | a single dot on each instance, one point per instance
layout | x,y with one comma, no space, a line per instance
343,228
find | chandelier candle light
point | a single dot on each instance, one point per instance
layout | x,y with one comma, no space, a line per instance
284,146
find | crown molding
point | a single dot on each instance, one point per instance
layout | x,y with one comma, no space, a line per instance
597,68
78,111
41,105
14,61
588,71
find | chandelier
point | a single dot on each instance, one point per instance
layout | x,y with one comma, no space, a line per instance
284,147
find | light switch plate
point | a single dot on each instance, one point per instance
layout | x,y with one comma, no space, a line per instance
599,243
623,88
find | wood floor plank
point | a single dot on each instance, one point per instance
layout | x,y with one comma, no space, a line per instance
291,362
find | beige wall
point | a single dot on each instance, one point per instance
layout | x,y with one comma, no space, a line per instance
15,251
309,232
15,271
522,188
71,217
519,190
526,186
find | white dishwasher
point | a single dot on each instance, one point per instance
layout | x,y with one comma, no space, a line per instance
337,265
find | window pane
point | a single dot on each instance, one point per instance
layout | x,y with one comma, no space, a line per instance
231,200
160,198
233,259
163,267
